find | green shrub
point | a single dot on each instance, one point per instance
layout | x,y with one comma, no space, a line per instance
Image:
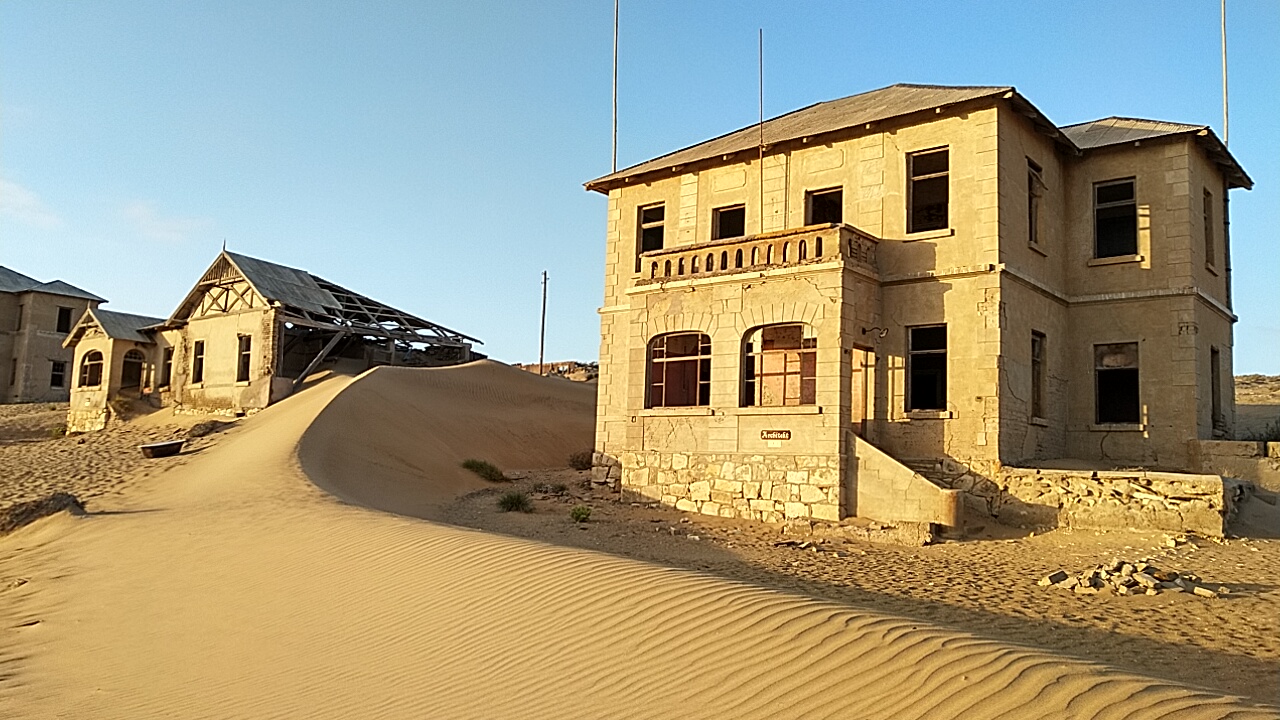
515,501
580,513
486,470
581,460
58,431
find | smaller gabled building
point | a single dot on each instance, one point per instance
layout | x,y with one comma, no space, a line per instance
246,335
34,318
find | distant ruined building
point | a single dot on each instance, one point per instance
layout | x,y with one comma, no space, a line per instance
34,318
247,335
874,306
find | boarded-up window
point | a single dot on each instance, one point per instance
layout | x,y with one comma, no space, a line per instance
197,361
91,369
729,222
1115,219
825,206
244,355
780,366
927,192
1116,379
679,370
927,368
1037,375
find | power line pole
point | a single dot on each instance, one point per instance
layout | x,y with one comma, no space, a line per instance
542,336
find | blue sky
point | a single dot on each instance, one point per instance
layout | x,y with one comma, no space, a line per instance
432,154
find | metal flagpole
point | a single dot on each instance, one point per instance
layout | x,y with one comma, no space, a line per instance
760,58
542,336
615,86
1226,126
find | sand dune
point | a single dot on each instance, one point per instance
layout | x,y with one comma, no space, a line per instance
233,587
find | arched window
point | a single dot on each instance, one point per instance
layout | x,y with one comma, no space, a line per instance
693,265
680,266
755,256
91,369
804,250
817,247
737,258
131,370
679,370
724,260
653,273
711,262
666,269
786,251
768,256
779,367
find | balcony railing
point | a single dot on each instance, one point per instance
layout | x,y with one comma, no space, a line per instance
753,253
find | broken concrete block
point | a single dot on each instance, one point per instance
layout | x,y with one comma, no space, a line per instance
1203,591
1053,578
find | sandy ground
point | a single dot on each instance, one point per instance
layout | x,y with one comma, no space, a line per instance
1258,406
229,584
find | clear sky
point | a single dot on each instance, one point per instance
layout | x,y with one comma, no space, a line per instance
431,154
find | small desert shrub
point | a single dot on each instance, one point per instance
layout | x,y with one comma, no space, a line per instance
549,489
580,513
515,502
580,460
486,470
58,431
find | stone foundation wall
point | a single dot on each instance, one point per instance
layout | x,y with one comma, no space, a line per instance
1257,462
86,420
768,488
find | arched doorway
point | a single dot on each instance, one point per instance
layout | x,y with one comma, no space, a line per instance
131,372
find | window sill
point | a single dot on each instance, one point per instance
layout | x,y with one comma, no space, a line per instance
1212,270
929,235
676,411
1036,249
779,410
1038,421
242,383
1117,260
1118,427
929,414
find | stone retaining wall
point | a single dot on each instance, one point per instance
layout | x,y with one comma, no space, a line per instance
1257,462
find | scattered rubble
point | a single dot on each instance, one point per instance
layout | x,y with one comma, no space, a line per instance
1122,577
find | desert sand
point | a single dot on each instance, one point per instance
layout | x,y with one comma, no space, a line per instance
291,568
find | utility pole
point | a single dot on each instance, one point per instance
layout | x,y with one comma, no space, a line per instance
542,336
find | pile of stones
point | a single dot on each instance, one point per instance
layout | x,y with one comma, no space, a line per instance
1130,578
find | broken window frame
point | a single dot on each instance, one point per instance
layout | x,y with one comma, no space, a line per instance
824,199
244,357
920,354
1113,377
682,379
1210,254
1108,208
91,369
772,361
651,233
1038,343
65,321
197,361
718,217
58,374
1035,190
919,182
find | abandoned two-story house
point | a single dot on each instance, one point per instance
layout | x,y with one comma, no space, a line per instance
939,278
247,335
34,318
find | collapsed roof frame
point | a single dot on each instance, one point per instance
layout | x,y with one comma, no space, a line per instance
361,315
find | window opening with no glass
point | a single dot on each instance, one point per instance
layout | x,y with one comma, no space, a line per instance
729,222
927,368
825,206
928,193
197,361
650,224
58,374
64,320
1037,375
91,369
1115,219
1116,380
244,356
1035,190
679,370
780,368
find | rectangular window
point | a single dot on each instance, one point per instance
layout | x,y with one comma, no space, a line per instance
1115,219
1209,254
64,320
927,368
1115,370
1035,190
22,316
650,224
13,373
824,206
244,355
166,368
1037,375
197,361
1215,388
781,366
58,375
927,191
729,222
680,370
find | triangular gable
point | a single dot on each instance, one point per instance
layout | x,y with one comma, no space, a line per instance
115,325
222,273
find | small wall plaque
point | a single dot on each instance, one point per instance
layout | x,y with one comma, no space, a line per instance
775,434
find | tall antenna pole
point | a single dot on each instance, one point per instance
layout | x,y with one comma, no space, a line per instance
615,85
1226,126
760,57
542,336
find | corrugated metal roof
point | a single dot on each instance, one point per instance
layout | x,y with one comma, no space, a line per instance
285,285
1116,130
823,117
57,287
15,282
123,326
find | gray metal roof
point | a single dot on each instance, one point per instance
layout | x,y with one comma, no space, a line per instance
123,326
823,117
1119,130
285,285
15,282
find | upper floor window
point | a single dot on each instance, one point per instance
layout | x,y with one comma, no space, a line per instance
1035,191
1115,219
64,320
927,368
927,191
1209,254
91,369
729,222
650,222
824,206
1115,372
780,366
679,370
